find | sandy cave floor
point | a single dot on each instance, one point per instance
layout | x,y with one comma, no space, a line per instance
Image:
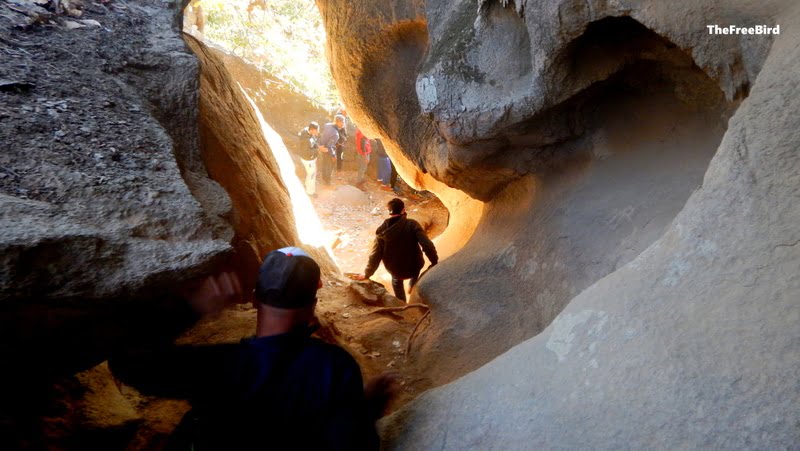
352,222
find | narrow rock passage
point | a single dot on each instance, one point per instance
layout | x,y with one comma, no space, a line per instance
348,218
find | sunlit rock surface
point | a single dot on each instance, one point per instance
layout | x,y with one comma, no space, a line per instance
639,216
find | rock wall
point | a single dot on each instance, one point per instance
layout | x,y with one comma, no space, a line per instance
636,172
92,168
374,53
239,158
105,203
112,194
97,220
285,109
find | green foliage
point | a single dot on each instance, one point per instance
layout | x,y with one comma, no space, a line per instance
283,37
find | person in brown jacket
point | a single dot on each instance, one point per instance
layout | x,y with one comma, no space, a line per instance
397,243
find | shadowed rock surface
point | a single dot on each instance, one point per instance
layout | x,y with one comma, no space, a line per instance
107,205
635,171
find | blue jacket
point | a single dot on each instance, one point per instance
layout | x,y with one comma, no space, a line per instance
329,136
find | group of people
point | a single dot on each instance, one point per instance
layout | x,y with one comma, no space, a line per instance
282,388
320,150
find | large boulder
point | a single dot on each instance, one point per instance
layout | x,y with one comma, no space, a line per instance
117,184
236,152
93,162
628,167
104,201
105,205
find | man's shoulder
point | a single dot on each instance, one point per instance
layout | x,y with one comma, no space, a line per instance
384,225
411,224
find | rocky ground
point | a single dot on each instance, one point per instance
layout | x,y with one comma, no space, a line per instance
377,338
65,119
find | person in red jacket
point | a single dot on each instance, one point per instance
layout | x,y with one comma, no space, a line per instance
364,148
397,243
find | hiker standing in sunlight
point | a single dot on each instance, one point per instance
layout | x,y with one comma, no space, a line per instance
397,243
327,147
308,151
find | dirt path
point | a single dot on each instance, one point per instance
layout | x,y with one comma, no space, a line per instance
377,339
351,217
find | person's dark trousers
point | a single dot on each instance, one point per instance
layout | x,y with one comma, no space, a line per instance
384,170
393,177
399,290
325,166
339,157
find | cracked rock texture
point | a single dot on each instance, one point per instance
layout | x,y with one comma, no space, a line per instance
629,270
107,205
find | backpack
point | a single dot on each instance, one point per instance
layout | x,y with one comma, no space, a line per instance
304,148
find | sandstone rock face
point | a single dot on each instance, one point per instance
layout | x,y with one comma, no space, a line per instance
105,204
100,185
374,53
638,220
285,109
238,150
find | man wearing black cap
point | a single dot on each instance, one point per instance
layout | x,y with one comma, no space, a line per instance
281,389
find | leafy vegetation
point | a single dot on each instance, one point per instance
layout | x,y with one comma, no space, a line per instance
283,37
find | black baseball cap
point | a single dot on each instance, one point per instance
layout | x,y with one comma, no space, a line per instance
288,278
